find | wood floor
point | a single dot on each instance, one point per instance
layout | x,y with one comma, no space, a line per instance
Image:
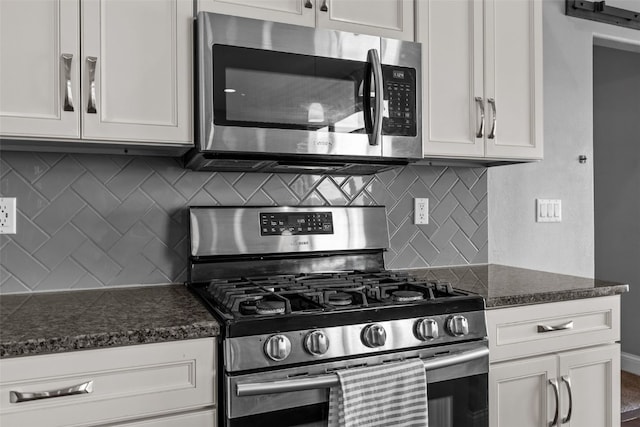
630,399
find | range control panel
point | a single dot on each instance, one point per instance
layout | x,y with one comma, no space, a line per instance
298,223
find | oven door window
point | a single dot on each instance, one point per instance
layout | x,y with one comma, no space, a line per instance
461,402
267,89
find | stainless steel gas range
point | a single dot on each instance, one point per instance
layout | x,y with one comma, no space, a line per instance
302,292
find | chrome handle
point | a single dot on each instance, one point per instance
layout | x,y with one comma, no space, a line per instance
308,4
67,59
480,104
324,6
91,63
492,134
331,380
374,59
17,397
562,327
567,380
554,384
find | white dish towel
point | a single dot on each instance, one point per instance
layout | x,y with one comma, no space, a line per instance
392,394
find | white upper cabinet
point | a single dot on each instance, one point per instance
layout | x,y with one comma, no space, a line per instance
385,18
109,70
136,64
482,78
39,68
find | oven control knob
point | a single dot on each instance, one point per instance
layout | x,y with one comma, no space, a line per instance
316,343
374,335
426,330
458,326
277,347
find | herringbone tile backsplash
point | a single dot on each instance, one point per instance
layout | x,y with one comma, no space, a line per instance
87,221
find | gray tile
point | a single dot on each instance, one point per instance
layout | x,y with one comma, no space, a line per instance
387,177
95,194
64,276
403,235
302,185
464,221
138,271
279,192
59,177
29,236
59,212
424,247
428,174
479,189
30,202
60,246
88,282
314,199
442,237
442,211
97,262
419,189
131,244
464,196
162,193
464,246
482,257
4,166
202,198
26,164
331,192
402,210
363,199
405,257
103,168
129,178
191,182
259,198
480,212
480,236
223,191
51,158
444,183
22,266
447,256
249,183
96,228
378,192
353,186
466,175
402,182
13,286
169,168
130,211
164,258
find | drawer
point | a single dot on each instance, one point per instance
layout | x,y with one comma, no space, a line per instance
125,383
206,418
543,328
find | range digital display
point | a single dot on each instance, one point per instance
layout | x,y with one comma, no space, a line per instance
298,223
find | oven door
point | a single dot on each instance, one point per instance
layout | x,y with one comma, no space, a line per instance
457,390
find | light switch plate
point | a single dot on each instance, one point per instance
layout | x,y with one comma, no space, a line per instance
7,215
548,210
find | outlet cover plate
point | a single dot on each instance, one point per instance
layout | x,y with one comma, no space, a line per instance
7,215
420,211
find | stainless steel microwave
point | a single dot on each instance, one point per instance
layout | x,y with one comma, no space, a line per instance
274,97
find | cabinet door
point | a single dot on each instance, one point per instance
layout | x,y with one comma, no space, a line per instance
594,377
520,393
384,18
513,78
297,12
451,33
39,57
136,68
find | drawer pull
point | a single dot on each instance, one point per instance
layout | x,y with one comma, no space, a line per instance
563,327
84,388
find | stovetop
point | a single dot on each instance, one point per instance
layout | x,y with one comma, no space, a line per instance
285,302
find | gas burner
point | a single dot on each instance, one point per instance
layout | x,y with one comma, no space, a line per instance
249,305
339,299
270,307
407,296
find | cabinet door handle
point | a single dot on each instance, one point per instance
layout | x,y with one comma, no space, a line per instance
554,384
308,4
492,134
84,388
67,59
549,328
567,381
480,104
91,63
324,7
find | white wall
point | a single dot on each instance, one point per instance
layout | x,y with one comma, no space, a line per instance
616,149
514,236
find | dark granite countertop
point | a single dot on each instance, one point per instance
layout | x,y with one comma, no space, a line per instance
74,320
503,286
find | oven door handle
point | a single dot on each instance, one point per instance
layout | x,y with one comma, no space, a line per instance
331,380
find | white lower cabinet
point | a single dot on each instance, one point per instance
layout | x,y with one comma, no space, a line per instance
163,384
555,362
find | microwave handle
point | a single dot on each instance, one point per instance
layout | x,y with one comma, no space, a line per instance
373,129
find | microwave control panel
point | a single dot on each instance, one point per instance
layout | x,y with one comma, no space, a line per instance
400,95
298,223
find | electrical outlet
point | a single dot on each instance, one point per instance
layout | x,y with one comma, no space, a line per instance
7,215
420,211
